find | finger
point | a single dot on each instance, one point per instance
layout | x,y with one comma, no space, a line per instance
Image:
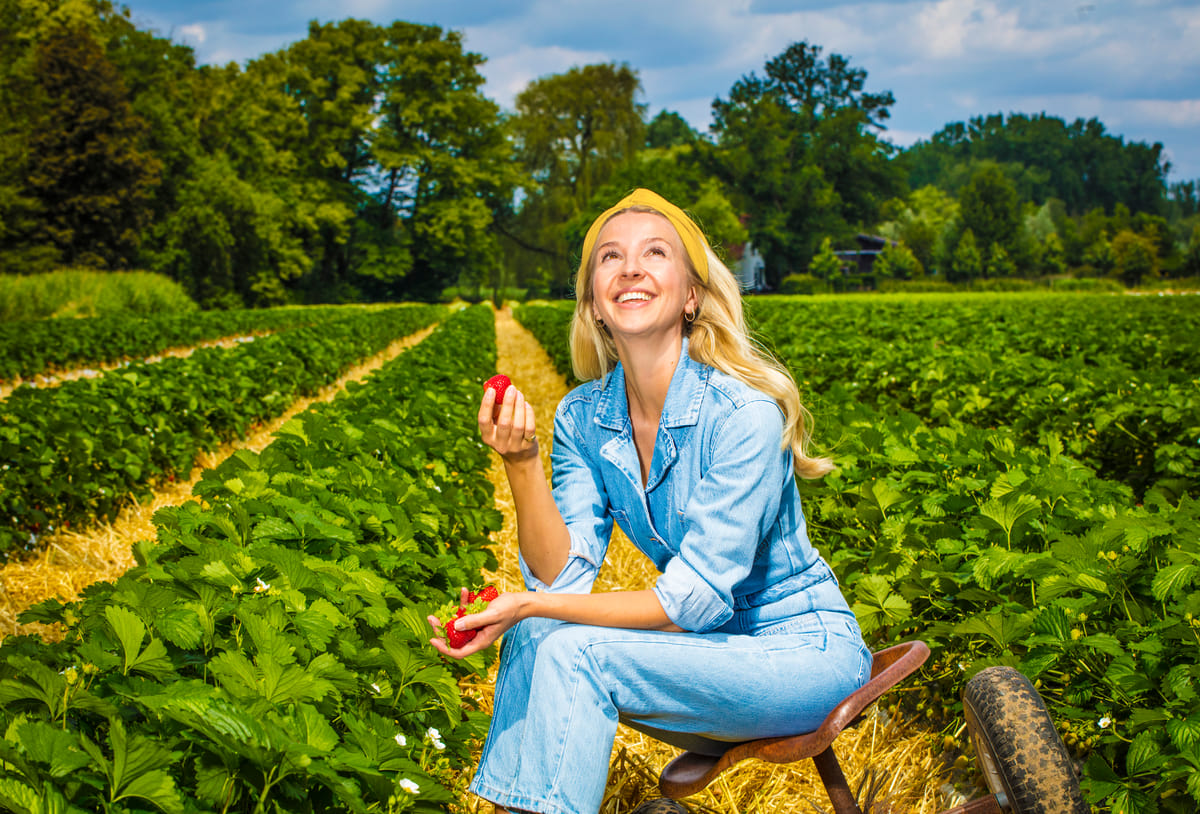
518,419
486,408
463,597
530,423
505,416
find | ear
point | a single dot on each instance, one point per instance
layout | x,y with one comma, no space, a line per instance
693,300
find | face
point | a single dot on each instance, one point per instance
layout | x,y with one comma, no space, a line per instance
640,283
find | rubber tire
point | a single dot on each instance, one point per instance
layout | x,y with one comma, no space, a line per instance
661,805
1017,748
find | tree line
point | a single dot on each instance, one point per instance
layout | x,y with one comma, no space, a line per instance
365,162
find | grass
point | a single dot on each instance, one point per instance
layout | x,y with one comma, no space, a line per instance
84,293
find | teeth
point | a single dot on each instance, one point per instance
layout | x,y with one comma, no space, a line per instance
633,295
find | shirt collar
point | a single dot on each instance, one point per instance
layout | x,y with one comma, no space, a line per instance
684,395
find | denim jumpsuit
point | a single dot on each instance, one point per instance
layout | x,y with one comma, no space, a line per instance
770,645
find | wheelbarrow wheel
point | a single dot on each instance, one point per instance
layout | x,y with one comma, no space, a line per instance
1017,747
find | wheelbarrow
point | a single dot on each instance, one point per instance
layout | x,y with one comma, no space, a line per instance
1023,761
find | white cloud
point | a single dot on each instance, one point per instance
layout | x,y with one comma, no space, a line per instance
194,34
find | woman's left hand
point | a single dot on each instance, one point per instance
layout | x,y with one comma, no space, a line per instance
491,623
508,427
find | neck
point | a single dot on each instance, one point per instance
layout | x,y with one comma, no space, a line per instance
649,368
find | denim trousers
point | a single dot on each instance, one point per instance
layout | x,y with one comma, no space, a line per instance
562,688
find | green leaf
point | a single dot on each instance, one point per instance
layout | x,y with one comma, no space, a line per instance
1173,580
57,748
182,627
1145,754
130,631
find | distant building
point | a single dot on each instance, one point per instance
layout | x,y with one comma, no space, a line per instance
750,269
747,264
862,259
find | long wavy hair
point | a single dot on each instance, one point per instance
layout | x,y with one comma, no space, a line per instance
718,337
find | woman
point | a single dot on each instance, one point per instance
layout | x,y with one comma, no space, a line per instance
689,439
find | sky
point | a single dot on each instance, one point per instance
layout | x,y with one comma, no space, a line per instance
1134,65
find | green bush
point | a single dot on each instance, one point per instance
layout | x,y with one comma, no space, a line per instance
1090,285
803,284
478,294
78,293
1001,284
925,286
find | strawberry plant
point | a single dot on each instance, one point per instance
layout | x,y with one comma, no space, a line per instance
269,652
1017,484
30,347
80,451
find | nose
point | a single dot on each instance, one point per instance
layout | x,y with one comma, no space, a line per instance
632,267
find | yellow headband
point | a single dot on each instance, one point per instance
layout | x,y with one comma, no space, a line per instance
689,233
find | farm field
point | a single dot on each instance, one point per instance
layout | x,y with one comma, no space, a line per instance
1016,483
268,651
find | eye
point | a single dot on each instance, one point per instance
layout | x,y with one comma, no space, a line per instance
607,254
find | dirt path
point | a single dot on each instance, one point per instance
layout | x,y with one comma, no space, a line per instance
53,378
70,561
901,756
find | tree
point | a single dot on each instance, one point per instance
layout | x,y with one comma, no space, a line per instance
1045,157
87,167
999,264
800,151
1191,263
669,129
825,264
572,131
967,263
1134,257
991,210
897,261
921,221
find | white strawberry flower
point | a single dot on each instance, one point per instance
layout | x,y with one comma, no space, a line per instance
261,586
1104,723
435,738
401,740
409,786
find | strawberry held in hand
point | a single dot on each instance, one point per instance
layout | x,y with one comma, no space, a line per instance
498,383
450,613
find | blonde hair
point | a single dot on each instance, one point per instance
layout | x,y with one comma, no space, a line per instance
718,338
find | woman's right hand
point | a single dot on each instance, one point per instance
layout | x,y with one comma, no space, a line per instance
490,624
508,427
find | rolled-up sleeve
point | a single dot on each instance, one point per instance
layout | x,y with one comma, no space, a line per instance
582,501
728,514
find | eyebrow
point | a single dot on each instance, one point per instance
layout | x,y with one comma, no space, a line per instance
647,240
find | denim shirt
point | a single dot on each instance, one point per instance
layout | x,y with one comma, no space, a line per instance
719,515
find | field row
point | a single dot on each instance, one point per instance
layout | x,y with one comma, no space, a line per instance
33,347
78,452
1116,379
269,652
996,544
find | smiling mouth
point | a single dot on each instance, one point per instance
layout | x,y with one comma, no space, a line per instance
632,296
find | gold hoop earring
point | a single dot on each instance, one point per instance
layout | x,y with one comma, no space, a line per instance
599,322
689,316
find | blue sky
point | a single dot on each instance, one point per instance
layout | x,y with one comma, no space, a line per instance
1134,65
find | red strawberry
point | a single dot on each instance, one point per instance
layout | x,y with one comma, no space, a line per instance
487,593
450,613
498,383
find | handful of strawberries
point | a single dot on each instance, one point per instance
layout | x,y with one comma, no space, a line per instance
451,612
